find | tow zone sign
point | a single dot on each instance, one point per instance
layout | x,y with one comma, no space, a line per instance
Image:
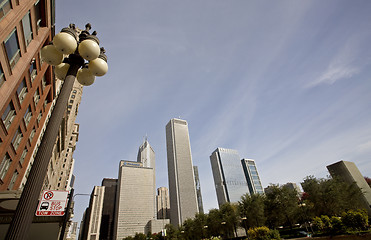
52,203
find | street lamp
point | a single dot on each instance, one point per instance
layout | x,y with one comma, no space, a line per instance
72,48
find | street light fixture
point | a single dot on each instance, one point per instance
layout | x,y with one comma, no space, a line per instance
77,46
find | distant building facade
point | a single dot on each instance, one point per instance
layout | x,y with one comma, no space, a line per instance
163,203
90,226
134,201
229,177
198,190
59,175
252,176
182,189
109,208
146,156
349,173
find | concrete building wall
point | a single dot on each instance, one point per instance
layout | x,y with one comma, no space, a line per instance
349,172
183,199
134,201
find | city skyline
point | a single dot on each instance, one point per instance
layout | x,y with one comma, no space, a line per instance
282,82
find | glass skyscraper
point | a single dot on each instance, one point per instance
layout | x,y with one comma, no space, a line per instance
229,178
252,176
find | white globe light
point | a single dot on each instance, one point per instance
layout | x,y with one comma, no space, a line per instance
65,43
51,55
89,49
61,70
98,67
85,77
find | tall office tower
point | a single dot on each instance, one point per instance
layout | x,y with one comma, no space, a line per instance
60,169
349,173
134,202
163,203
198,190
229,178
252,176
182,188
90,225
146,156
26,84
109,208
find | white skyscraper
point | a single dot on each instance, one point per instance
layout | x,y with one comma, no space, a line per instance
146,156
135,200
182,189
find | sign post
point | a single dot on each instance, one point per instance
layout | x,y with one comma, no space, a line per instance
52,203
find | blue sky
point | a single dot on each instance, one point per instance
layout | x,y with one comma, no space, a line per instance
286,83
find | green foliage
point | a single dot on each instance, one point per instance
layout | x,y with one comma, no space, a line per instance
330,196
281,206
251,210
355,220
263,233
318,224
336,225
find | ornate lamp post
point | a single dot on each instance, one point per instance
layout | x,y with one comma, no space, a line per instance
78,48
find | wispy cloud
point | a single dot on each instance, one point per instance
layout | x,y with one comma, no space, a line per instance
343,65
334,73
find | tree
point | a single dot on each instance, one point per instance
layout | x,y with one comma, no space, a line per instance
213,221
281,206
229,214
251,210
330,196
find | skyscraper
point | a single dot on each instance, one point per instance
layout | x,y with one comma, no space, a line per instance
109,208
135,198
93,215
182,188
252,176
349,173
146,156
163,203
229,178
198,190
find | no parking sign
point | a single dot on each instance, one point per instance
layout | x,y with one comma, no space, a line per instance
52,203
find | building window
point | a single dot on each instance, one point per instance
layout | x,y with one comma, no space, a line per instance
2,78
28,115
39,14
17,138
33,70
5,7
74,91
25,151
12,48
22,91
27,29
36,97
39,118
4,165
8,115
32,134
12,181
43,82
72,96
